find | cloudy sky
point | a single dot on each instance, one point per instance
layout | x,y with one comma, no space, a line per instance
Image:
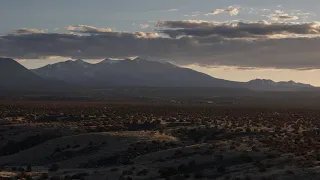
231,39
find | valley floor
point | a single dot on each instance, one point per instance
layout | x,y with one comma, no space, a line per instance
79,140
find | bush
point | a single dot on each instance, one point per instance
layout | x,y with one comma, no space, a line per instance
29,168
54,168
55,178
57,150
192,164
114,169
142,173
127,172
289,172
44,176
183,168
221,169
246,158
29,177
198,175
262,169
21,169
79,175
167,172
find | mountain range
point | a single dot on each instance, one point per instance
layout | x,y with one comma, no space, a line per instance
14,76
138,72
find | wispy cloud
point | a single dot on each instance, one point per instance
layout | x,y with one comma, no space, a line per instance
165,10
87,29
144,26
171,10
28,31
282,17
232,10
288,15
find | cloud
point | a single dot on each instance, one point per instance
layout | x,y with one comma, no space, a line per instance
88,29
144,26
278,11
88,46
233,11
242,45
185,24
166,10
27,31
261,29
194,14
171,10
288,15
282,17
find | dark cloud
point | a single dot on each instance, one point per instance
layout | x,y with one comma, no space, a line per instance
27,31
221,49
283,17
236,30
92,46
84,29
186,24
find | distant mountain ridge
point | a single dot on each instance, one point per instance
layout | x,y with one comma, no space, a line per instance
138,72
267,84
16,77
127,72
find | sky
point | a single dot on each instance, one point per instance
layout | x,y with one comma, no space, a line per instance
231,39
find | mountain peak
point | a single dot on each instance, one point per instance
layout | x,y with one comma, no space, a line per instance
139,59
262,80
3,60
8,62
79,61
109,61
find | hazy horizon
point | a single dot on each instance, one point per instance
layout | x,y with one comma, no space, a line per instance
234,40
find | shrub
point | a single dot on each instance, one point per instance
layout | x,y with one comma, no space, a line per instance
183,168
55,178
289,172
29,168
127,172
246,158
221,169
198,175
262,169
21,169
79,175
143,172
28,177
54,168
192,164
114,169
44,176
167,172
57,150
